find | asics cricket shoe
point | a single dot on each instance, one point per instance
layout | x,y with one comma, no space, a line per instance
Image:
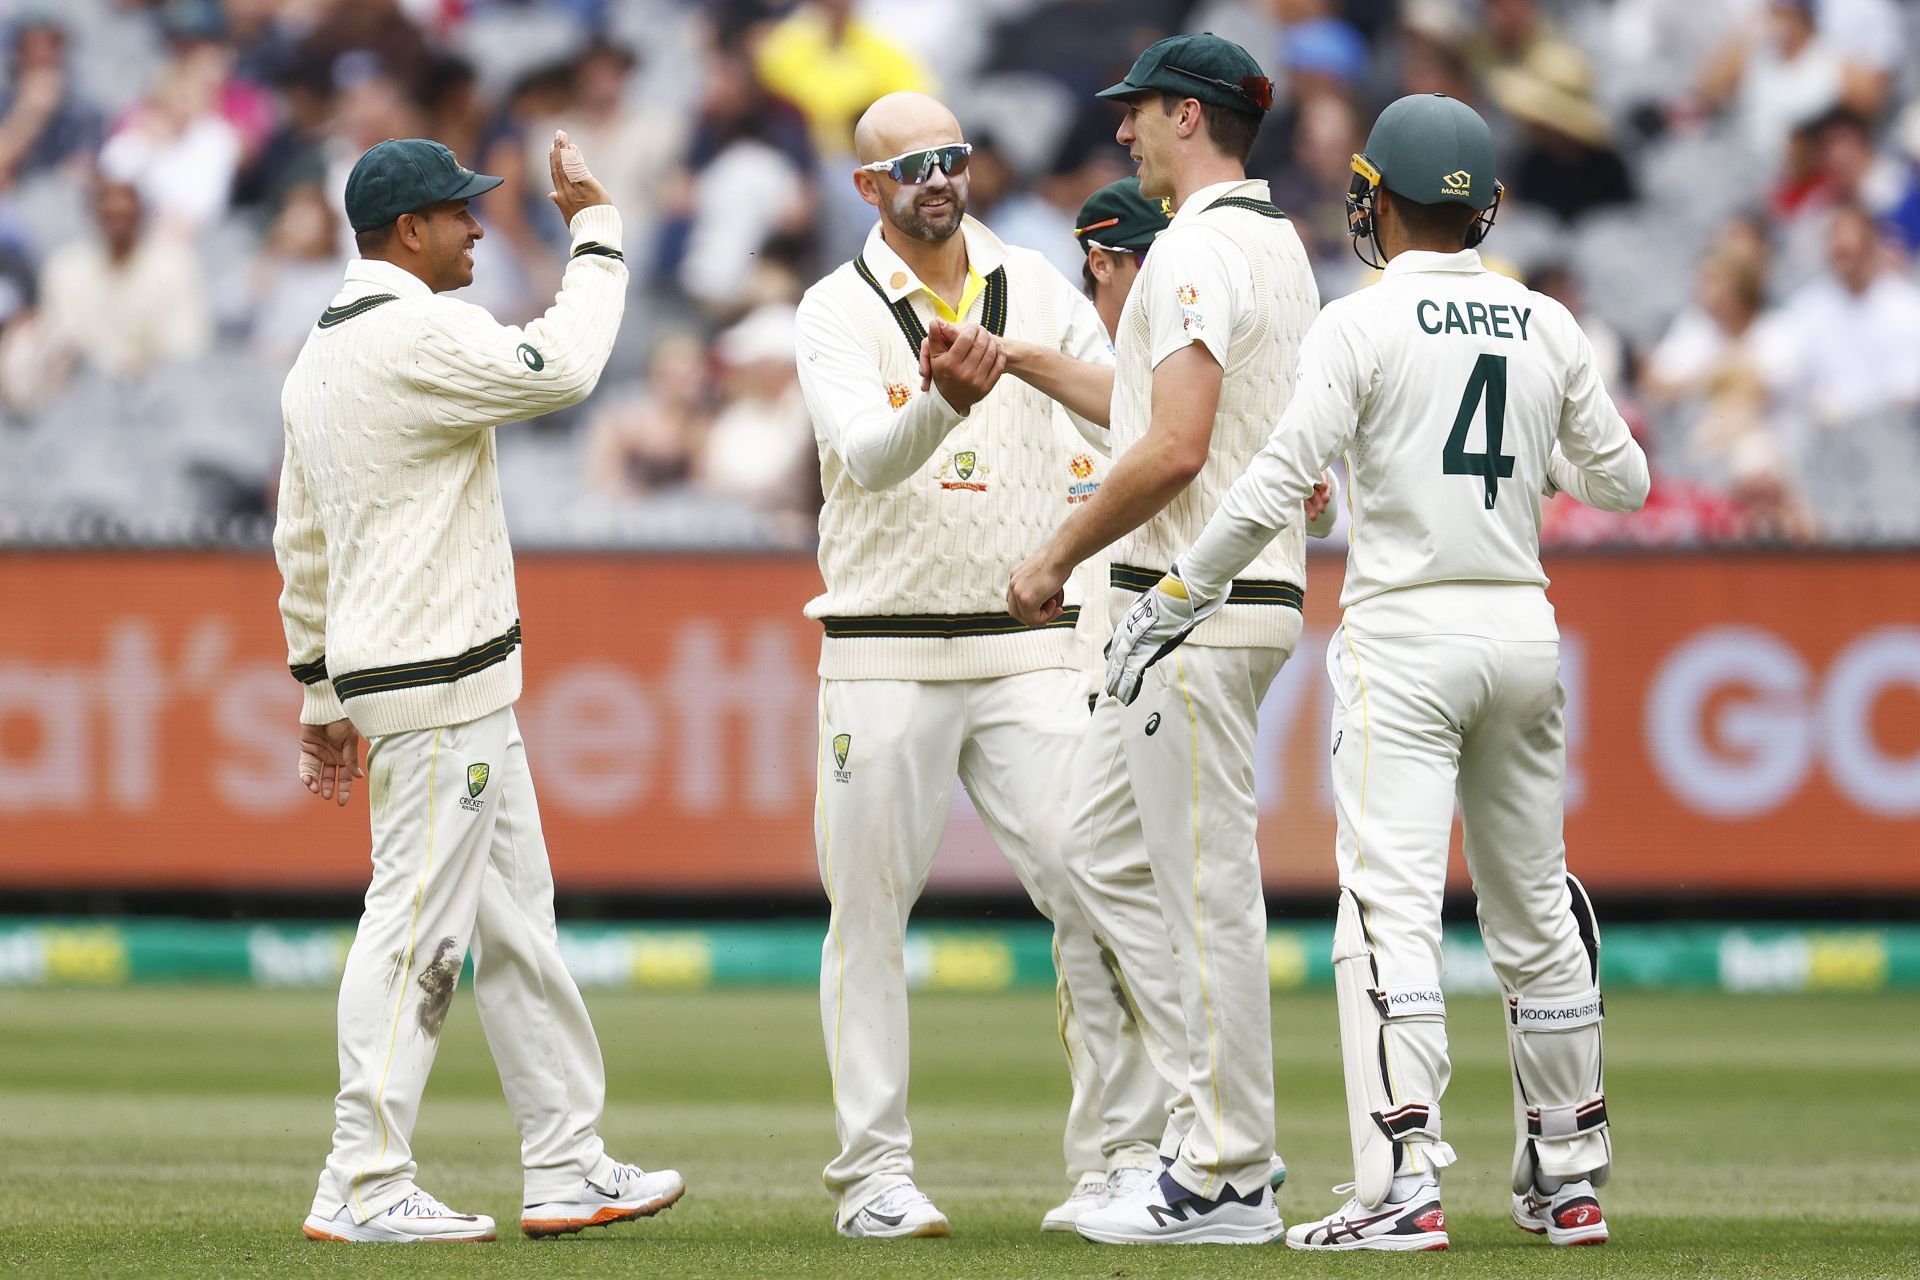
1164,1212
1088,1194
417,1218
1413,1224
896,1212
630,1192
1569,1216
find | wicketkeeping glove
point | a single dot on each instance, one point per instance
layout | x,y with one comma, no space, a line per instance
1152,627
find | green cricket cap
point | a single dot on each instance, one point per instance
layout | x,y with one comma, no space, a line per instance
1201,66
1432,149
1117,216
402,175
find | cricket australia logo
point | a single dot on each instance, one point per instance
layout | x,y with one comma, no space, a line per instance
1457,183
477,775
1083,486
960,472
898,393
842,745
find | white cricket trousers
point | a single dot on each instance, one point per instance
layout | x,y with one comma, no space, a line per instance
1163,859
459,864
1420,721
889,752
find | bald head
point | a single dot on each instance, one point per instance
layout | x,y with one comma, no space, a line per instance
903,122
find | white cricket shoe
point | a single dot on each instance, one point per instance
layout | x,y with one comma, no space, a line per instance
631,1192
416,1219
1127,1182
1088,1194
1569,1216
1164,1212
896,1212
1414,1224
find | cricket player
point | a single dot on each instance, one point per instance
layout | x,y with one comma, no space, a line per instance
1163,801
931,494
1116,227
402,624
1458,397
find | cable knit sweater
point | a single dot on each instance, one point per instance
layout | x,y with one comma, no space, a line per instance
399,602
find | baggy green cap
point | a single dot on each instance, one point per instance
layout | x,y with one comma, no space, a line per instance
1432,149
1117,216
1202,66
402,175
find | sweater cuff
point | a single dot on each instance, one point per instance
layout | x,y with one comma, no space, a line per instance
320,705
596,224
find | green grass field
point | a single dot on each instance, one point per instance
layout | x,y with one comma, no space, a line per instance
178,1130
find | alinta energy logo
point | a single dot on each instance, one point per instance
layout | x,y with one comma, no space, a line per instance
1457,183
1082,486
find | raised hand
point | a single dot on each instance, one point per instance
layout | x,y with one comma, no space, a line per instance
574,187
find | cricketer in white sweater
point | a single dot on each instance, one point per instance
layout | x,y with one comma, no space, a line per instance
399,602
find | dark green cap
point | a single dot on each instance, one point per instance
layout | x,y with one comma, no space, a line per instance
1206,67
402,175
1433,149
1117,216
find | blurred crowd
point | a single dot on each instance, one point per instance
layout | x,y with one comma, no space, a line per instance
1727,192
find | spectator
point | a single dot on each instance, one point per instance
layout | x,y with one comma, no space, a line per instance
1566,161
1703,378
760,450
1903,218
832,65
1839,361
43,124
743,142
176,147
295,153
448,100
1776,76
1842,348
129,301
632,144
295,276
645,442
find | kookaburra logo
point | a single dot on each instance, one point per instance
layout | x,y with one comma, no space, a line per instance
1457,183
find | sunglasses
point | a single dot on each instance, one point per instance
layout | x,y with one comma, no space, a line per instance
915,167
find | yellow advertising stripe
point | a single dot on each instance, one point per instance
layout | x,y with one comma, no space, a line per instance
1200,924
413,926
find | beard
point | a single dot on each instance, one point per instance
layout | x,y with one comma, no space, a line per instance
930,228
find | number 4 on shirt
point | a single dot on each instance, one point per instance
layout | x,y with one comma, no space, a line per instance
1489,381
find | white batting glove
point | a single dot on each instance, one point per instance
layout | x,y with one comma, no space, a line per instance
1152,627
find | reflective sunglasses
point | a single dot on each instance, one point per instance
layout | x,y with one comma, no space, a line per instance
915,167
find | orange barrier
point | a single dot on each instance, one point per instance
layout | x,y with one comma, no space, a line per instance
1738,723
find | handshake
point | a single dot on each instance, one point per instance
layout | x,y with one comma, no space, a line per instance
964,361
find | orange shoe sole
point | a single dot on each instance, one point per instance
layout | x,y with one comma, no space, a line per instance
542,1228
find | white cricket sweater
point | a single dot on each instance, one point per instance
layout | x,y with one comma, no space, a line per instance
399,603
927,511
1234,223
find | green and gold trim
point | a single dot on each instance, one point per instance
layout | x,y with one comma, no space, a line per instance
1126,577
940,626
596,249
340,315
310,672
1264,208
993,306
410,675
